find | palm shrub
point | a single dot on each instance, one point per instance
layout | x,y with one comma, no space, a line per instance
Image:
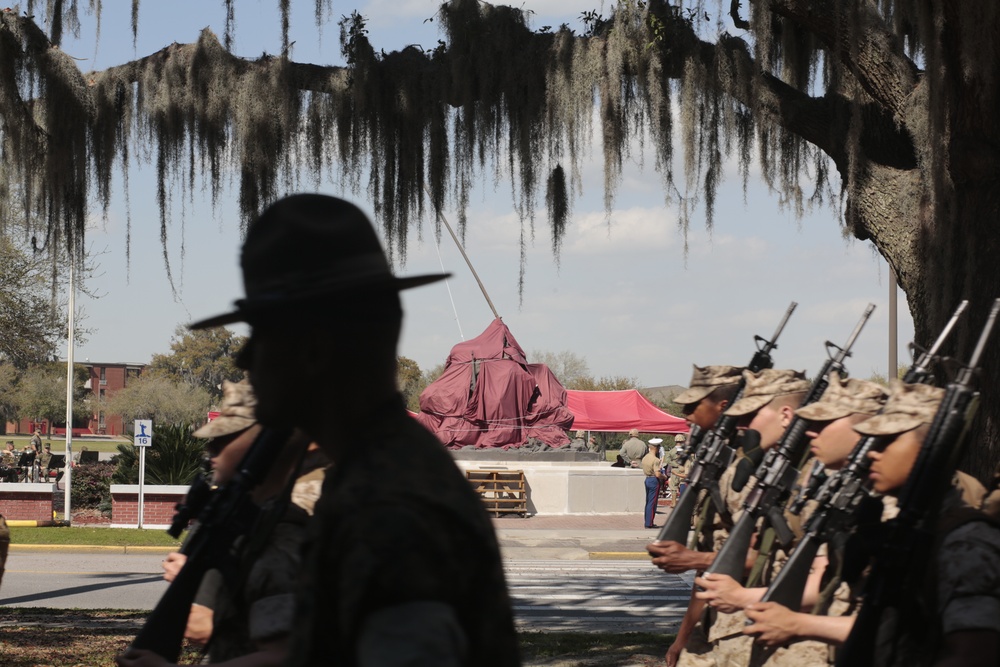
91,486
175,457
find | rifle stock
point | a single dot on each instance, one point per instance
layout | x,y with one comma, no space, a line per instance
229,513
715,452
788,585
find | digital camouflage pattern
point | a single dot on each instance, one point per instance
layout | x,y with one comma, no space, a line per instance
763,387
705,380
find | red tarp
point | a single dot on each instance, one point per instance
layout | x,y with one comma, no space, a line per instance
489,396
620,411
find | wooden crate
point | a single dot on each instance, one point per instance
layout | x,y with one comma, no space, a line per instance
503,491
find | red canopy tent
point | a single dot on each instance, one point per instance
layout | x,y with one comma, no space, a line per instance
620,411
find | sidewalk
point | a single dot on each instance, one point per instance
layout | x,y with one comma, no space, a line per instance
576,536
548,537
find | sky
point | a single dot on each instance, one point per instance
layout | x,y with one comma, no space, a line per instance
624,295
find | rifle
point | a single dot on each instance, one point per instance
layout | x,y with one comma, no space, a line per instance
840,496
715,452
903,556
229,513
778,473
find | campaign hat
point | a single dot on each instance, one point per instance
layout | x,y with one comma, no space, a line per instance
705,380
763,387
909,406
308,248
844,397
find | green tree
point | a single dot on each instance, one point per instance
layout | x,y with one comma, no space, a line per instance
40,393
31,322
8,392
201,358
569,368
606,383
884,107
163,400
175,457
410,381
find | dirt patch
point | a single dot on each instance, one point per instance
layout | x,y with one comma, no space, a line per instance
92,638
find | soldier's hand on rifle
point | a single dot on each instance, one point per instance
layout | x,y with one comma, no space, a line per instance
774,624
722,592
675,558
172,564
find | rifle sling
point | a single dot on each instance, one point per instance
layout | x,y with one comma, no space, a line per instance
764,552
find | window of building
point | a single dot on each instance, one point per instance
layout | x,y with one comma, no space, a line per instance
104,377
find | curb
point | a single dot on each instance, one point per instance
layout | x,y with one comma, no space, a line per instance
82,548
25,523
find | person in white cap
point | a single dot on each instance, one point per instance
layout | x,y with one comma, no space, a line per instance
653,476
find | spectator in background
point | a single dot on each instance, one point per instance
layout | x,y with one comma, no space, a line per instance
633,449
651,469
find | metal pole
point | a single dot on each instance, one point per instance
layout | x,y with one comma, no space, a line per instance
67,515
893,338
466,257
142,474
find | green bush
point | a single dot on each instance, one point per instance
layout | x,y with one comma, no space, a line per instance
175,457
91,486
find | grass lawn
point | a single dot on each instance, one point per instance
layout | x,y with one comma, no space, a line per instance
95,536
59,443
35,636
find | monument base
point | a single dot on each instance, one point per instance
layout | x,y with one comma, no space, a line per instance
560,483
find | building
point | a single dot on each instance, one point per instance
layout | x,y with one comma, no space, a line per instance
107,379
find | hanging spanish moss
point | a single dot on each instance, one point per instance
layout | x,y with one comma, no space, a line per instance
796,93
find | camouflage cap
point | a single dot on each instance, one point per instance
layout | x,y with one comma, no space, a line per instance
909,406
705,380
845,397
766,385
237,413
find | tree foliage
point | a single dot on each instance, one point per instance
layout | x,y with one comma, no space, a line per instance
884,107
161,399
569,368
410,381
175,457
201,358
40,393
31,322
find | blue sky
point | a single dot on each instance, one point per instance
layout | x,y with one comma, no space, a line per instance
625,296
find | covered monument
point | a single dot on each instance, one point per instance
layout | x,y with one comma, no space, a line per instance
490,396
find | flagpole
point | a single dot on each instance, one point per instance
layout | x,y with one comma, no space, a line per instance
69,395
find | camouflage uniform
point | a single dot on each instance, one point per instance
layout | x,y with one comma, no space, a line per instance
633,450
382,546
726,645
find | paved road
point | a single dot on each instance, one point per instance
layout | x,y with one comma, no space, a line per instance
596,596
548,595
82,580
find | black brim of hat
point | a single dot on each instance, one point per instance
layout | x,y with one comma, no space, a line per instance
248,308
